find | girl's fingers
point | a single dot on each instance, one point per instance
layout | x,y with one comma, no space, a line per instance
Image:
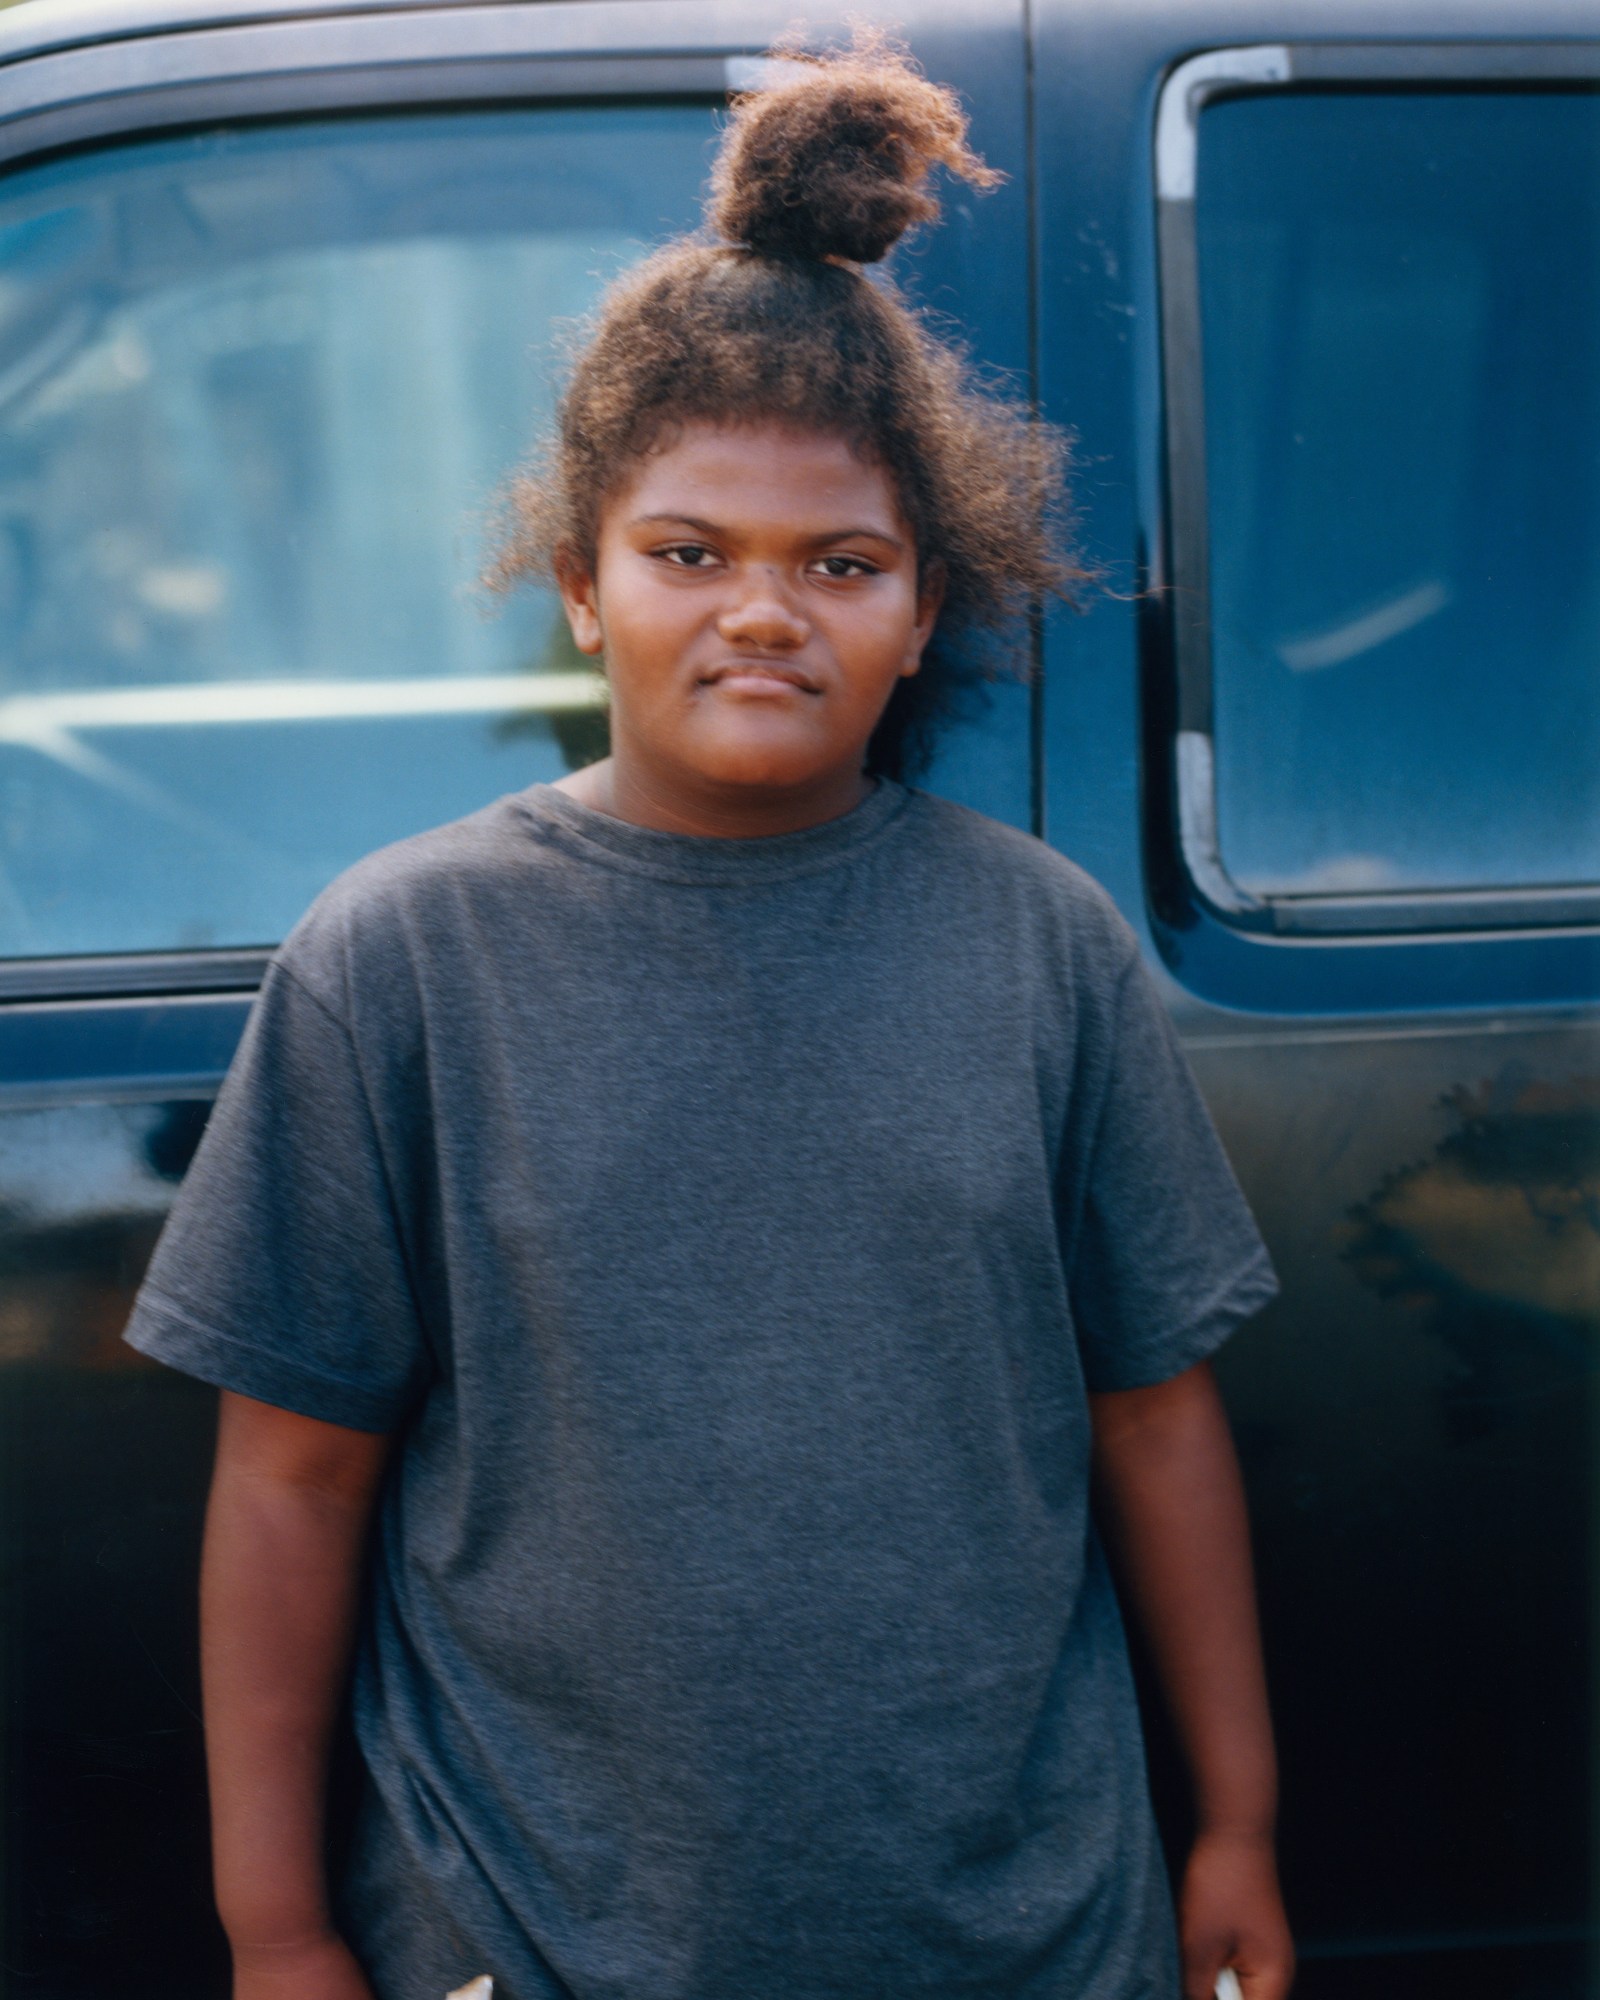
1270,1980
1202,1979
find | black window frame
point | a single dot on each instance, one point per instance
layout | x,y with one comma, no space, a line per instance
1195,83
435,57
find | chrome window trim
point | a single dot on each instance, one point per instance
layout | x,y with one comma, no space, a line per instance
66,24
128,975
137,41
411,56
1193,84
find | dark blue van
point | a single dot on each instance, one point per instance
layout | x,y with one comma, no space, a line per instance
1317,285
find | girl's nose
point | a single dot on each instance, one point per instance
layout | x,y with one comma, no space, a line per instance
760,615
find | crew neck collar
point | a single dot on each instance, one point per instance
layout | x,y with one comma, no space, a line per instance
712,858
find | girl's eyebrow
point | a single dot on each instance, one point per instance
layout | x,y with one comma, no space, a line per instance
816,541
858,534
679,521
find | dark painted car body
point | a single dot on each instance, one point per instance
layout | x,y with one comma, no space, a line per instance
1410,1095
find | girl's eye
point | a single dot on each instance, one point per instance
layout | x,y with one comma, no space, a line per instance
686,555
847,566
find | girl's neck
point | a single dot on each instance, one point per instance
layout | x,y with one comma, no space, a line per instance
739,813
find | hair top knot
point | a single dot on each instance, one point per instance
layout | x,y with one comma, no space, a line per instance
831,162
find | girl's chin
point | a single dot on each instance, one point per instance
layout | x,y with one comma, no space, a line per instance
772,760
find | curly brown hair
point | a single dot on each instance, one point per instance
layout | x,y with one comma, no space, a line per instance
768,316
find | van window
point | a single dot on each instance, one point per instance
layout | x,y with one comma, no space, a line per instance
257,388
1400,316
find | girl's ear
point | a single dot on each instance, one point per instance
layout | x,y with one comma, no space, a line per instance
575,581
930,602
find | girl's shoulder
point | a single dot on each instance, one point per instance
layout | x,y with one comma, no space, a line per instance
1017,872
418,894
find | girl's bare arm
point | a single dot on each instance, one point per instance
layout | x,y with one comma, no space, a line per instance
286,1527
1172,1505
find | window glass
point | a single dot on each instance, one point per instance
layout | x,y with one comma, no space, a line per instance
1400,300
257,390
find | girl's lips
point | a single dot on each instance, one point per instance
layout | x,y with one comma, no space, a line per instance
760,678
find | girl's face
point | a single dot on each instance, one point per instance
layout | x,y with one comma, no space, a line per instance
755,597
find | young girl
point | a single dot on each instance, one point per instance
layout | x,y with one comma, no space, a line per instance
704,1213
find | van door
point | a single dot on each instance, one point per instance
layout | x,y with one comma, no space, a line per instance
1324,311
282,305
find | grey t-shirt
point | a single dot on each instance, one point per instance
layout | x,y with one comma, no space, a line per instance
732,1229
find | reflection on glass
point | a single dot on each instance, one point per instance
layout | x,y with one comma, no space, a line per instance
1400,301
257,390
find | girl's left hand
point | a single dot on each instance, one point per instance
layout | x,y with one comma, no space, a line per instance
1230,1913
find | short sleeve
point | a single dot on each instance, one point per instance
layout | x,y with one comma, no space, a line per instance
1165,1258
280,1272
